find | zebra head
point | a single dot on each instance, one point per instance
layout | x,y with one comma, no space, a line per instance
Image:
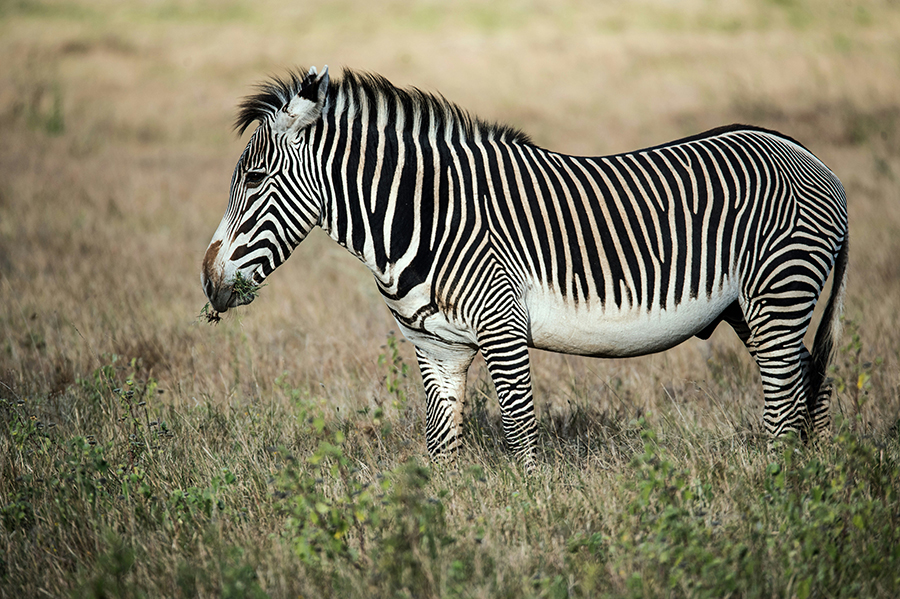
275,196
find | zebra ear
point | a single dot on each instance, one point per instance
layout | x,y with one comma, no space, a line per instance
305,108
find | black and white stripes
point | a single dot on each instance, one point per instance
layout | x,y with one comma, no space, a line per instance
480,240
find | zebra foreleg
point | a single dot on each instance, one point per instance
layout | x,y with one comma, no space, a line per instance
506,356
444,376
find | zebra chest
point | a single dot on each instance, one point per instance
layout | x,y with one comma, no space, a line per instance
423,322
611,331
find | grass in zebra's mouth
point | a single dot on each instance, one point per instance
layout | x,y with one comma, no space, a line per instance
245,289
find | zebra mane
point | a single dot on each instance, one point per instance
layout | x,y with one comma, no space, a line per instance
277,92
270,97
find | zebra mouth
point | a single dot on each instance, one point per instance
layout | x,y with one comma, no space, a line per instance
239,292
223,300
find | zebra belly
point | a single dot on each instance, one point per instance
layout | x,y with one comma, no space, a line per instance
613,332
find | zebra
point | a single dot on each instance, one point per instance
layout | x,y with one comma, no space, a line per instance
480,240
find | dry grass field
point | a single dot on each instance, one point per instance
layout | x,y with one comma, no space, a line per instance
145,453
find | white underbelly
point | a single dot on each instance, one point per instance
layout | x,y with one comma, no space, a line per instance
613,332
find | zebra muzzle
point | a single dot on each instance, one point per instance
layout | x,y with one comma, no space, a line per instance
212,277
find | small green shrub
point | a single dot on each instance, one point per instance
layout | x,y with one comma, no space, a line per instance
111,575
396,371
817,524
852,374
346,528
239,578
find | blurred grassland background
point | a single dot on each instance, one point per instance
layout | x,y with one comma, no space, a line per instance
145,453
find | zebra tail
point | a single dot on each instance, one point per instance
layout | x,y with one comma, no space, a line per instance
829,331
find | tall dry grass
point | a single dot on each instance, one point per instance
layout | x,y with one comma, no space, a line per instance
115,161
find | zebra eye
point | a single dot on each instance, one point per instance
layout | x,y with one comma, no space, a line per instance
254,178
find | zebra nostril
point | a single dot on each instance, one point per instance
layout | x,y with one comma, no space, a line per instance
208,286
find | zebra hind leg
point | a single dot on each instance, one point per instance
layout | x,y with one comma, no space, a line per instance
444,377
773,332
734,317
796,388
